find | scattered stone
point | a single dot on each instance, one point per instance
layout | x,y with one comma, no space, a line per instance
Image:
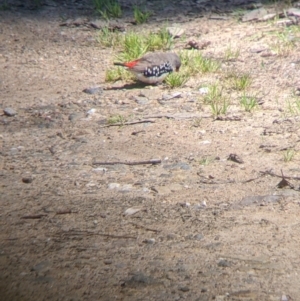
268,53
171,96
133,210
175,32
98,24
27,180
79,21
113,185
150,241
107,261
172,236
197,45
194,237
205,142
258,49
9,112
126,188
93,90
293,12
185,204
235,158
139,279
181,165
204,90
100,169
91,112
285,298
255,15
184,288
224,263
268,17
75,116
198,236
141,100
285,22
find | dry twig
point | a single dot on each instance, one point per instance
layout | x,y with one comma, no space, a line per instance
127,123
152,161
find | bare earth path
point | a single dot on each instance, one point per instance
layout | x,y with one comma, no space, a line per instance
200,227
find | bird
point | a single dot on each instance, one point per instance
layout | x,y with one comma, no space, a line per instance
153,67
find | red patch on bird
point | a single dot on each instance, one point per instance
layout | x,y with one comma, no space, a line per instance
131,64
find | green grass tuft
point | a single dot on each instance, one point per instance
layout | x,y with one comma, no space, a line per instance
239,81
108,8
117,118
176,79
136,45
249,103
108,38
218,103
140,16
289,155
194,63
230,54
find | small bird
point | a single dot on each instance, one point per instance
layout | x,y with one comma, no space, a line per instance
153,67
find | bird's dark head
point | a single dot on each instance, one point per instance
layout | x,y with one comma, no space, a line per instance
175,61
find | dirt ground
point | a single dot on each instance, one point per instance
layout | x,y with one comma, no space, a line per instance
195,226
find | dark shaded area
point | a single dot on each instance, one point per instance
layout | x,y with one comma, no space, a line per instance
163,9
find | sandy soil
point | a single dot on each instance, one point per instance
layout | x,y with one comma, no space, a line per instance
196,226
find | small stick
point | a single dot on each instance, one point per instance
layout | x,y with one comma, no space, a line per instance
37,216
127,123
115,236
66,211
178,116
137,132
80,232
152,161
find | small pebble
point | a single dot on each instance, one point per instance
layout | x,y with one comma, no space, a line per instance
9,112
171,236
184,288
141,100
150,241
198,237
113,185
75,116
224,263
93,90
203,90
107,261
91,112
285,298
27,180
